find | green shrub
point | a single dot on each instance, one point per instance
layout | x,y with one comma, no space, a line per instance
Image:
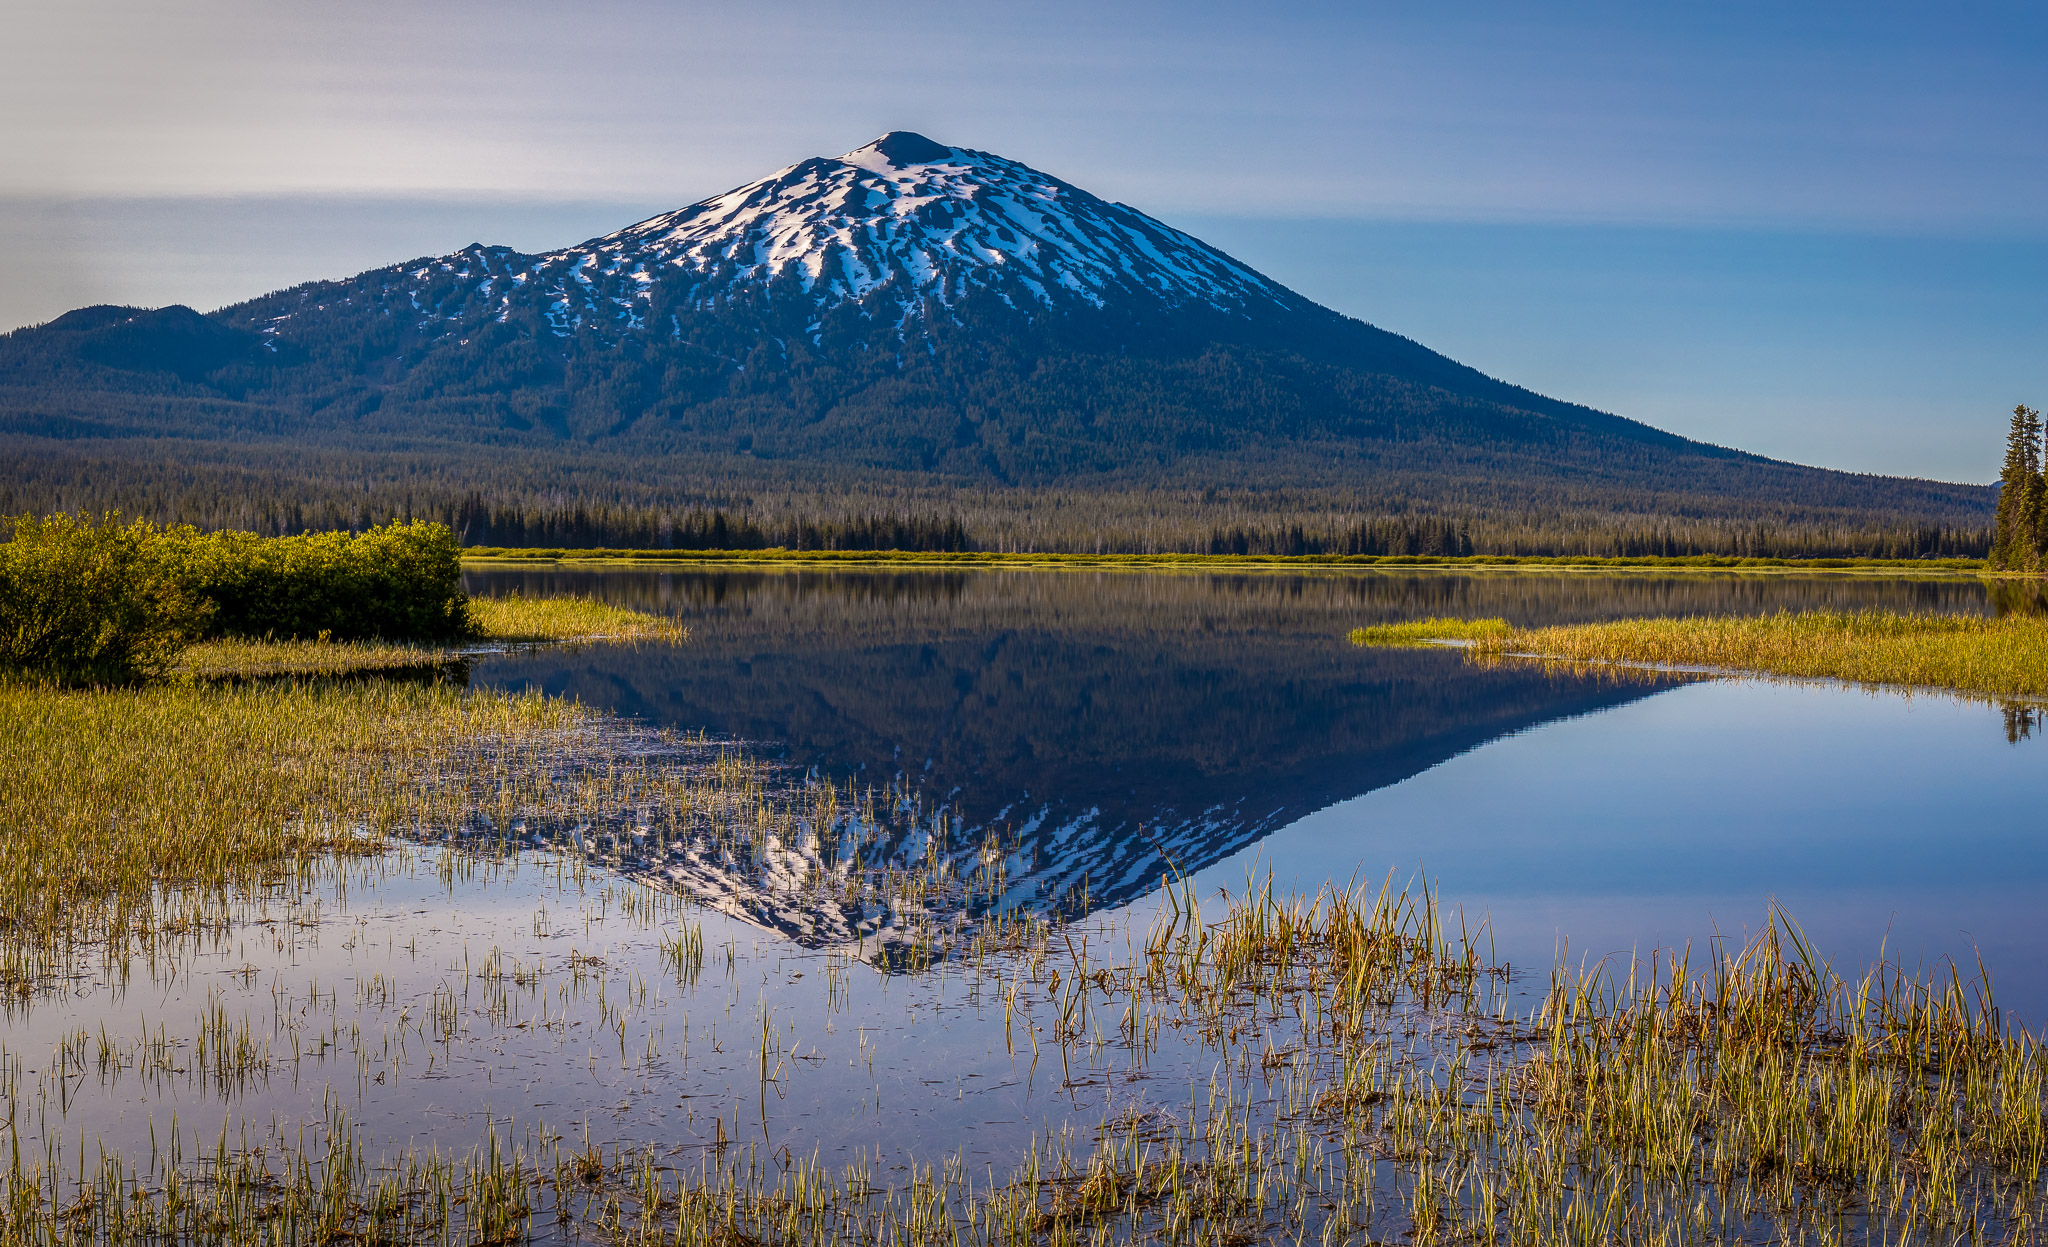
86,603
113,603
394,582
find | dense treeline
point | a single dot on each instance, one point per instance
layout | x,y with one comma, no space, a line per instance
1618,539
588,498
601,526
478,523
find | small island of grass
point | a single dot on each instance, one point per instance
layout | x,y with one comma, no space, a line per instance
568,618
2001,657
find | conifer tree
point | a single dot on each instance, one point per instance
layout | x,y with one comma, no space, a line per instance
2016,541
2036,510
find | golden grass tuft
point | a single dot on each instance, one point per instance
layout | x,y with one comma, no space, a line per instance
1425,631
569,618
2005,657
240,657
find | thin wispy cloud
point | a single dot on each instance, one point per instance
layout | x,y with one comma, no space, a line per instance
1866,116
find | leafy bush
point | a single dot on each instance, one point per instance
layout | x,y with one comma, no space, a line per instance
85,603
113,603
397,581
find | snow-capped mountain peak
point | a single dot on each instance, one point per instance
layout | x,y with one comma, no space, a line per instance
921,220
905,226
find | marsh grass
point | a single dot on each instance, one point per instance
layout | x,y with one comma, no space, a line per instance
120,803
870,870
318,1188
1350,1066
1354,1071
2003,657
1427,631
1371,1084
142,814
249,659
569,617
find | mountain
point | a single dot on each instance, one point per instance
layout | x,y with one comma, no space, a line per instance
907,313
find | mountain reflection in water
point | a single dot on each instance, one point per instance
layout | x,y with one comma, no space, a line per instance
1104,727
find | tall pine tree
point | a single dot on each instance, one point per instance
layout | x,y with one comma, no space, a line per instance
2017,543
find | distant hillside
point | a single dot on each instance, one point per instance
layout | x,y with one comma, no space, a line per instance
908,321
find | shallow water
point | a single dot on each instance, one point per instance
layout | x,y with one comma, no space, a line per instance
435,999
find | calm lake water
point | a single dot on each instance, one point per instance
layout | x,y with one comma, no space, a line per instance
1113,723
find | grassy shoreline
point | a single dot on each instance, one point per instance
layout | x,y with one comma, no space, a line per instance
509,620
485,555
240,659
2003,657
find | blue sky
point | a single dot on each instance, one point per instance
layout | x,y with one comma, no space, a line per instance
1814,231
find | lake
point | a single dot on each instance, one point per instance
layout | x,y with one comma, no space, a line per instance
1120,725
1067,741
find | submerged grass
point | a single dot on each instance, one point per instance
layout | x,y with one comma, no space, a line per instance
1371,1085
1358,1077
320,1191
1346,1068
113,798
2005,657
1356,1069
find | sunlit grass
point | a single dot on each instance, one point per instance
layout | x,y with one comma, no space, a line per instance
1365,1068
2000,657
112,797
568,618
514,618
239,657
1424,631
